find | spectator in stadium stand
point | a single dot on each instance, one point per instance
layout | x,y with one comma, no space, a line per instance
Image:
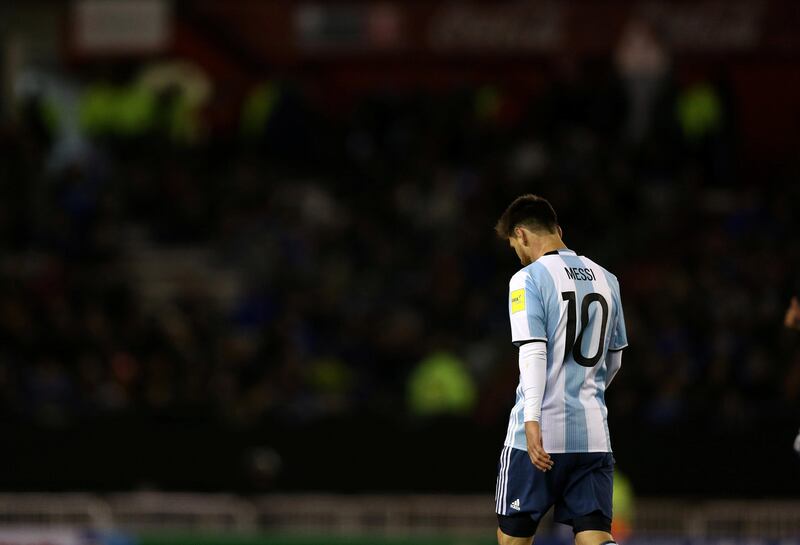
643,63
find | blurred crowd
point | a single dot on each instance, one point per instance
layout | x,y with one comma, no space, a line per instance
367,278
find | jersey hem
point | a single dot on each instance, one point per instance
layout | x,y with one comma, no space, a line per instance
562,451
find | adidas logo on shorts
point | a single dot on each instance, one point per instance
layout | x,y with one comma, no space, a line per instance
515,504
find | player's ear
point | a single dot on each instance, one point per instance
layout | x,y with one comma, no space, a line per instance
523,236
560,232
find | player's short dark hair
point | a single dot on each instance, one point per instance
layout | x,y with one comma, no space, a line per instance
530,211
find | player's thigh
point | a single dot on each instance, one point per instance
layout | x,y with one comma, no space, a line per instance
524,495
585,503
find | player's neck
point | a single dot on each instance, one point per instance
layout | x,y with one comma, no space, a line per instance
552,243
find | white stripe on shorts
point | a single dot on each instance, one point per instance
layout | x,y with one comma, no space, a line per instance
504,493
501,500
499,486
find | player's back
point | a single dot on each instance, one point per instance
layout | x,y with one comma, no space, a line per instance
573,304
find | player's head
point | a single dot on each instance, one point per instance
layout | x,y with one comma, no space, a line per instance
529,224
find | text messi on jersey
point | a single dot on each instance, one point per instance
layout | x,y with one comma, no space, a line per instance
578,273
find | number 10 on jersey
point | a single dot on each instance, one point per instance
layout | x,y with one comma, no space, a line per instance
574,344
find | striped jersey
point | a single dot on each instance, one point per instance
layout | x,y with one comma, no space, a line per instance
572,304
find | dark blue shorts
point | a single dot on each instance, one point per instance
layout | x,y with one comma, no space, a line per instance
580,486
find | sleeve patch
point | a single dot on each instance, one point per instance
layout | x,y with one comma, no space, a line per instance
517,300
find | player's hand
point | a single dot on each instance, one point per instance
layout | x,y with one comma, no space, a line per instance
792,318
539,458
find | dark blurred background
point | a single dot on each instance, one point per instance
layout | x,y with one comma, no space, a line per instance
249,246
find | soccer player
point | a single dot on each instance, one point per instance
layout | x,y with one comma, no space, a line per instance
566,319
792,321
792,318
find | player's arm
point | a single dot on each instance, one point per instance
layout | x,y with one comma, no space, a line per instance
792,318
797,443
619,340
613,364
529,334
533,376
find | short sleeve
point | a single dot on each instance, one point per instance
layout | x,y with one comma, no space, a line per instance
526,310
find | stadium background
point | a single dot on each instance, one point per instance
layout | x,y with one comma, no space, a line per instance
247,247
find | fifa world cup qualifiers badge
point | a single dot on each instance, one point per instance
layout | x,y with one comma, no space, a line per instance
517,300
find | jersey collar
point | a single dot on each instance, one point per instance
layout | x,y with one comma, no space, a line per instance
561,251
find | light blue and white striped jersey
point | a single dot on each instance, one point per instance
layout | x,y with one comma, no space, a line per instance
573,304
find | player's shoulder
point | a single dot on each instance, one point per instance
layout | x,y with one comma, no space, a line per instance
528,274
610,277
597,266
